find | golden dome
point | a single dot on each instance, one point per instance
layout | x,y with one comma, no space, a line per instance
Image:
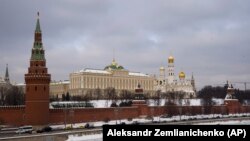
162,68
170,59
182,75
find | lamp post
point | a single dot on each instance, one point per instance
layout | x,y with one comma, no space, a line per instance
116,114
71,114
180,112
65,115
202,111
152,113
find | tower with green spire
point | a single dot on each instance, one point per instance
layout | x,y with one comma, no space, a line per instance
37,83
37,50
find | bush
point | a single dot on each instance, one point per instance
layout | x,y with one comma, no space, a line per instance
69,127
130,119
106,120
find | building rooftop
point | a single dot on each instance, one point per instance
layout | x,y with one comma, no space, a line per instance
108,72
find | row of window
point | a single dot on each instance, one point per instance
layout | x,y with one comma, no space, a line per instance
35,88
36,71
92,82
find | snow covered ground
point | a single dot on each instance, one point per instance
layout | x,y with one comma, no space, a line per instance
151,102
94,137
98,137
190,102
229,122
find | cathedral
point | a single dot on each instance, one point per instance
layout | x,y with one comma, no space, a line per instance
170,83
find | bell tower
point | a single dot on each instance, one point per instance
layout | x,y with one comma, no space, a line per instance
37,83
171,74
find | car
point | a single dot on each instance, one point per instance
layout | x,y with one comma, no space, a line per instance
25,129
44,129
89,125
135,123
122,123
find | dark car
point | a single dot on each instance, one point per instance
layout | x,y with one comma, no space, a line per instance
89,125
44,129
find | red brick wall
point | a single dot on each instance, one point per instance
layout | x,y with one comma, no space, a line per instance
91,114
13,115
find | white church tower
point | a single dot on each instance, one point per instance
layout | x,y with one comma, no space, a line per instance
171,75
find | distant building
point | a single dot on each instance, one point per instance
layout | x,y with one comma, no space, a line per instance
113,75
172,84
58,88
6,80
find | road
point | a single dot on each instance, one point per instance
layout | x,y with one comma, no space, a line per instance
190,122
63,134
13,136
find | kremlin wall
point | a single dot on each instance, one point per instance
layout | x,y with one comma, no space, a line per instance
36,110
16,115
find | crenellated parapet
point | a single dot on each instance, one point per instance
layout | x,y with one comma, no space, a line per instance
13,107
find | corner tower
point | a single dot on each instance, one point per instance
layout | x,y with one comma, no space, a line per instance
37,83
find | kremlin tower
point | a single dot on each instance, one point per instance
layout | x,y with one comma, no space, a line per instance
37,83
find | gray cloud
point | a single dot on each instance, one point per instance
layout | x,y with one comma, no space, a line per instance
209,38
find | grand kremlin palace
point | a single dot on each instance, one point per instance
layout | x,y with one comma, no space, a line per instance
113,75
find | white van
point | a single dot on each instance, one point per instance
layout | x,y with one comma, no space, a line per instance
25,129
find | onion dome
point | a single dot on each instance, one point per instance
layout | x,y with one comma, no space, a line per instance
170,59
182,75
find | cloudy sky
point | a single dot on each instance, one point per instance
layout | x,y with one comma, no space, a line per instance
209,38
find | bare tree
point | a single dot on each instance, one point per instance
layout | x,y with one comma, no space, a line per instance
170,98
126,98
88,96
157,98
110,94
13,96
206,95
97,94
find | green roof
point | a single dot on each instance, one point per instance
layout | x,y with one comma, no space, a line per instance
114,66
37,54
38,29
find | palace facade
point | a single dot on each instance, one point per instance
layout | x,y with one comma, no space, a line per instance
113,75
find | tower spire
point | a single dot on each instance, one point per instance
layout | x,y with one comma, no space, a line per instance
113,54
113,61
38,29
193,82
37,50
6,78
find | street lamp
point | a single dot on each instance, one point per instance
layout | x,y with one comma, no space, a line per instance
65,115
152,113
180,112
116,114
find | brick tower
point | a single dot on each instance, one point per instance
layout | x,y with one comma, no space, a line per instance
37,83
